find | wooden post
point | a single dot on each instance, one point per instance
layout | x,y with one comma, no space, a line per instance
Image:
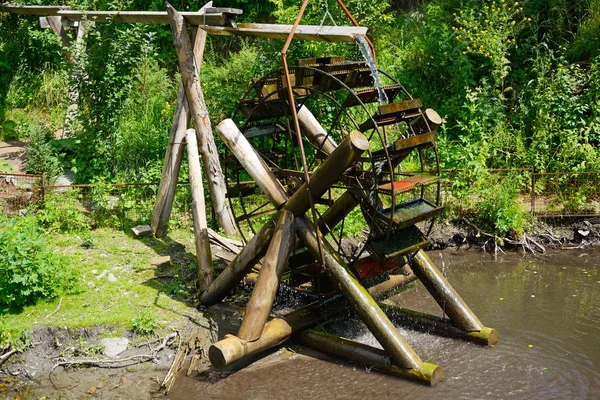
195,98
370,357
203,254
263,295
174,153
445,295
251,161
241,265
438,326
315,132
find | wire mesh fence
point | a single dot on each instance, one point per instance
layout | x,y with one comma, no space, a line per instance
557,194
20,191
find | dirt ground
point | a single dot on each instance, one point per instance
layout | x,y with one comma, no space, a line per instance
13,152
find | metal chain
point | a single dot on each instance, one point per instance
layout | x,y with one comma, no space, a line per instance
327,14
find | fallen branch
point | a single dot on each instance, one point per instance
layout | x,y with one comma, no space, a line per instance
56,310
6,356
109,363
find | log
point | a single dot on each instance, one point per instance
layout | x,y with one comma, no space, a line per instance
394,282
431,324
278,330
344,156
252,162
433,119
195,98
260,302
369,357
444,294
241,265
361,301
315,133
174,153
202,240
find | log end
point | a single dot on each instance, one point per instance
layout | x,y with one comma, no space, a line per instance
429,373
226,351
359,140
433,117
487,336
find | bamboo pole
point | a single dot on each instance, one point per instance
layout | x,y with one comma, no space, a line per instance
367,356
444,294
174,153
195,98
438,326
241,265
203,253
263,295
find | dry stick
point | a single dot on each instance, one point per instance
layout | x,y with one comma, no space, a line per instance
108,363
6,356
174,152
195,98
175,366
56,310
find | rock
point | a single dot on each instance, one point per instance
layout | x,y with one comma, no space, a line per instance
142,231
114,346
164,261
92,390
23,212
112,278
102,275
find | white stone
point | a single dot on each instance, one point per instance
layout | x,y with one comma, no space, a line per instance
114,346
112,278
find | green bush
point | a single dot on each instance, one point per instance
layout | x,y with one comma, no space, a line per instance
40,156
30,269
500,209
64,213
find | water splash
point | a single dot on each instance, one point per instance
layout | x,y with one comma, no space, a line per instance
365,50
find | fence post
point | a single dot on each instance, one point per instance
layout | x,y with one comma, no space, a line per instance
532,191
43,182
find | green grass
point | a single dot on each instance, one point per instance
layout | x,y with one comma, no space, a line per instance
5,167
140,286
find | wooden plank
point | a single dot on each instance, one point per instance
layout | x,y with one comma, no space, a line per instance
144,17
304,32
32,10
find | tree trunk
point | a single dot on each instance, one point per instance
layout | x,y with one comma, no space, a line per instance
195,97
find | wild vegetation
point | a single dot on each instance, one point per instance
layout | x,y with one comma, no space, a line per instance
517,83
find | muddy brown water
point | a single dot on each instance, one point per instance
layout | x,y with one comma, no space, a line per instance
547,310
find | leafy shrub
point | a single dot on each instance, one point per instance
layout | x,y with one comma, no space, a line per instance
40,156
63,212
501,210
30,269
13,338
146,322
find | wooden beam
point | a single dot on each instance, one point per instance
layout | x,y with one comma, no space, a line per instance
260,302
144,17
304,32
202,241
201,119
32,10
174,152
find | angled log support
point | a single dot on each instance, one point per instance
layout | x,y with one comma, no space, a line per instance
195,98
241,265
370,357
203,253
263,295
444,294
361,301
174,152
438,326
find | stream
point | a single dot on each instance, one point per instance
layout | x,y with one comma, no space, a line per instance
546,308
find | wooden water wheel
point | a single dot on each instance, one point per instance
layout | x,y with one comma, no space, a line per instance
379,212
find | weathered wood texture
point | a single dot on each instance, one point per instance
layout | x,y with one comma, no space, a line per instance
32,10
174,153
369,357
444,294
202,241
304,32
260,302
195,98
315,132
438,326
240,266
